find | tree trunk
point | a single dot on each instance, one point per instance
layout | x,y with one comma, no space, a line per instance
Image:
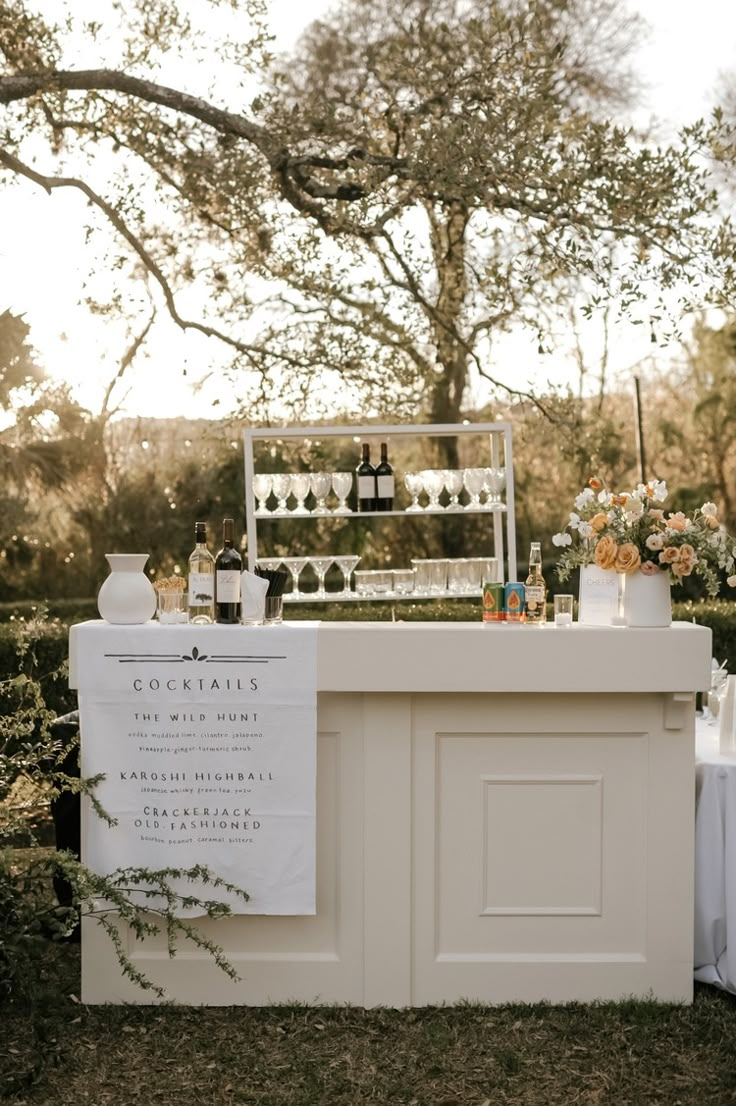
448,229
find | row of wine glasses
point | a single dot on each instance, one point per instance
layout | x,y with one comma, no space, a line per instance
477,482
320,565
283,485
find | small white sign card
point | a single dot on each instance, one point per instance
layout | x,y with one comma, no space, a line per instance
598,598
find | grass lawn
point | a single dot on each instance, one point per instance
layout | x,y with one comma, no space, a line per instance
55,1052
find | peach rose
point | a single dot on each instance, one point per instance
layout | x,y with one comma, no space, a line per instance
649,568
669,555
599,521
628,558
686,562
656,513
677,521
712,522
595,484
605,552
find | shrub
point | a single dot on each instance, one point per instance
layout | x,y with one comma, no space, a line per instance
36,753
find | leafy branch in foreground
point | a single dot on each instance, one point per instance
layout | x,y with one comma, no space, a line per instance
116,895
34,763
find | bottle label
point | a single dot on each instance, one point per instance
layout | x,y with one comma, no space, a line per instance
201,588
534,595
228,587
366,487
385,486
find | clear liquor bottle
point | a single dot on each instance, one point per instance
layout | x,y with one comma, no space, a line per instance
535,588
201,579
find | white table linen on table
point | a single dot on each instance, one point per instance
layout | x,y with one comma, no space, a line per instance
715,861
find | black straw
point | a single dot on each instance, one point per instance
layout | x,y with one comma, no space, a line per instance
276,579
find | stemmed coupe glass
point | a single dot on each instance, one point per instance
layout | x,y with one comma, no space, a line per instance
718,684
295,566
300,484
320,482
414,486
494,483
433,481
269,563
453,485
281,483
342,482
320,566
474,480
347,564
262,490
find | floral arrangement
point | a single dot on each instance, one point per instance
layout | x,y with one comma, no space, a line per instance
632,532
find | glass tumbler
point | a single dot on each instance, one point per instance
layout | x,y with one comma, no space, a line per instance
421,576
563,610
273,612
363,582
437,576
403,581
459,581
171,607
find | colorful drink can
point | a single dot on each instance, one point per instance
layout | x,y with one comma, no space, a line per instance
513,602
493,602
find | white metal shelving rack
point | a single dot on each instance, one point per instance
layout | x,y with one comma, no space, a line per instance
500,456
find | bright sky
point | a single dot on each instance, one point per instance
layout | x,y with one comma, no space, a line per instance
44,266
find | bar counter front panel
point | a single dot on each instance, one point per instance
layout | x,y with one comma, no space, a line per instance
504,813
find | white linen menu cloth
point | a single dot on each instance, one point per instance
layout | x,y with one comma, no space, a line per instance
206,736
715,861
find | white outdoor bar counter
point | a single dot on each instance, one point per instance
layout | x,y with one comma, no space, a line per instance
504,813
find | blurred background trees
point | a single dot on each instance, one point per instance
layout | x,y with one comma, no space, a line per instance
355,225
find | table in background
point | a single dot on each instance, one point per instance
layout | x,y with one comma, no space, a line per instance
715,861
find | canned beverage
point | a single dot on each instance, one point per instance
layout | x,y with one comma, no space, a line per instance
513,602
493,596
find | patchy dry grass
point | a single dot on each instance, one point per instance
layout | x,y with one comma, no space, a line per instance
58,1053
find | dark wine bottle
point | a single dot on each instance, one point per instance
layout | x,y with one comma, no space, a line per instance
366,481
228,567
384,482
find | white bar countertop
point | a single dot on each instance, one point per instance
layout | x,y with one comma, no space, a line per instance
475,656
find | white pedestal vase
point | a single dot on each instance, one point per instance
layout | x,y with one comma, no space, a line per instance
647,599
127,596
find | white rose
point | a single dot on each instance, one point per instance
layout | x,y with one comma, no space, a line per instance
731,581
561,539
655,541
709,509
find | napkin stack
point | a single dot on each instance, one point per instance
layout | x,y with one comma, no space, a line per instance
726,719
253,596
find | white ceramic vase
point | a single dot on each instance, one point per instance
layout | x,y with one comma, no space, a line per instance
647,599
126,596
